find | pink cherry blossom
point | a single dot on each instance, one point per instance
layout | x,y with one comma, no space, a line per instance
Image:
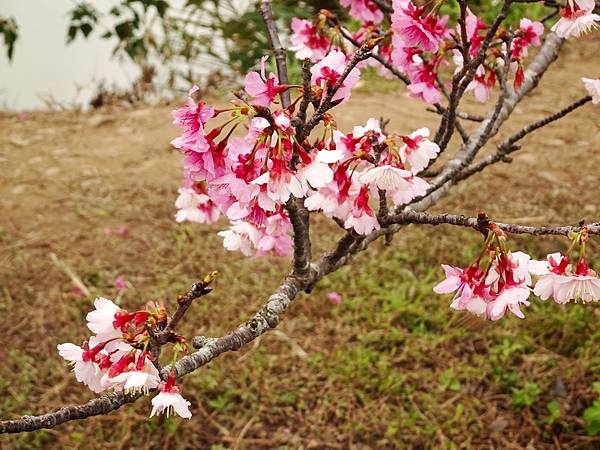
276,236
327,72
263,89
140,378
482,84
415,187
407,58
457,280
372,127
336,198
170,400
563,284
121,283
417,29
318,173
192,118
474,28
530,33
386,177
510,298
582,4
423,84
82,359
418,150
101,320
504,286
593,88
361,216
195,207
307,41
281,182
363,10
241,236
334,297
575,21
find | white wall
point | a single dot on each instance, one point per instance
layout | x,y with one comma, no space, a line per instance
44,65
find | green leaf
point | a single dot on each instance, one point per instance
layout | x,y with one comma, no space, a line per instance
71,33
553,412
86,29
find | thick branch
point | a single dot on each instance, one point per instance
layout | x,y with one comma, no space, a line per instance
299,215
461,81
102,405
441,185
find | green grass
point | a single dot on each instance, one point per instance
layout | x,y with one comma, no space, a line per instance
390,367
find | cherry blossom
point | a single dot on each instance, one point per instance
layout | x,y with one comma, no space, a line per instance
363,10
195,207
417,29
263,89
101,320
334,297
423,84
121,283
593,88
559,281
85,369
327,72
418,150
307,41
241,236
575,21
169,400
192,118
386,177
492,284
361,216
318,173
529,34
407,58
141,378
276,236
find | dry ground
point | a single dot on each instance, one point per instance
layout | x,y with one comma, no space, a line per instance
391,367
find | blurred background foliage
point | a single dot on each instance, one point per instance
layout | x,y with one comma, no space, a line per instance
208,42
197,41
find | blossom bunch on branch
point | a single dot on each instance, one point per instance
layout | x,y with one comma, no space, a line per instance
123,354
500,280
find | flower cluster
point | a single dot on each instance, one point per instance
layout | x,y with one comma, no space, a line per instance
576,18
250,178
246,161
117,356
499,280
420,42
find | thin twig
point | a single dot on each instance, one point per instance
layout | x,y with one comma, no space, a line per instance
509,145
280,53
423,218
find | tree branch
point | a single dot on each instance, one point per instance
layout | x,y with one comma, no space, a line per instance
102,405
414,217
280,53
441,185
509,145
299,215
